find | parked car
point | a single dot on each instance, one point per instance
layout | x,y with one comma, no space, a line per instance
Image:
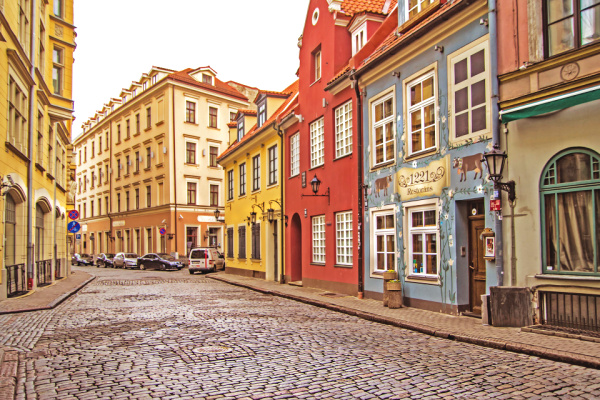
160,261
220,262
105,260
82,259
203,259
125,260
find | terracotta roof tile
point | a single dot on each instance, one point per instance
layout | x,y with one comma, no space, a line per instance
247,112
351,7
291,90
219,86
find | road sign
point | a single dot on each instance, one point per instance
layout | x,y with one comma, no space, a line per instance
78,236
162,231
74,214
73,227
495,205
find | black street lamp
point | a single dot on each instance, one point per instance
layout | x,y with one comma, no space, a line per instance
217,214
253,217
270,215
315,184
495,160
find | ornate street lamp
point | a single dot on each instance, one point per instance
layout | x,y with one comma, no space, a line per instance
217,214
315,184
271,215
495,160
253,217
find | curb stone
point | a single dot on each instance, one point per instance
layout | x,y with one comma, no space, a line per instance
541,352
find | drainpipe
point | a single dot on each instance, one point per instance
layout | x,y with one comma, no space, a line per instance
174,167
110,190
32,106
360,241
55,224
282,224
495,127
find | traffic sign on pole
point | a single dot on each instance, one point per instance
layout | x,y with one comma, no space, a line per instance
162,231
73,227
74,214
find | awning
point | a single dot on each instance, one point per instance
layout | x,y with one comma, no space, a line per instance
551,104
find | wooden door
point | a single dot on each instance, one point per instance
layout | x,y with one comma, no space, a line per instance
476,263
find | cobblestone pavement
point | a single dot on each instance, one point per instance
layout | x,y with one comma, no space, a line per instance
169,335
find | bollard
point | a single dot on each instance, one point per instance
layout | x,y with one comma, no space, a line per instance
395,294
388,276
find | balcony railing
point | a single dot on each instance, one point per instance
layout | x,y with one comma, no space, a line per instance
16,283
44,272
571,310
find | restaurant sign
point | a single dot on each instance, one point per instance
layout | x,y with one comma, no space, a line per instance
423,182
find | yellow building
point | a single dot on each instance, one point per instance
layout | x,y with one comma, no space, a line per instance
36,57
147,173
254,191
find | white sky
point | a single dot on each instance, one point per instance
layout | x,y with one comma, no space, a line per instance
251,42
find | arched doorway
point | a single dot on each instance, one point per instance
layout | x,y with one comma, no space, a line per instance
296,249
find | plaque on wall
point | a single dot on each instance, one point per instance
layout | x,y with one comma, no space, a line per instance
425,181
304,179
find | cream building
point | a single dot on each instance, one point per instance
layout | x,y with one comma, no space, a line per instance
36,57
147,173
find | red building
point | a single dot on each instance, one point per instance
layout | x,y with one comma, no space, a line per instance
321,141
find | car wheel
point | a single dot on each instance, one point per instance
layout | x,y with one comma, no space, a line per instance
191,272
142,267
163,267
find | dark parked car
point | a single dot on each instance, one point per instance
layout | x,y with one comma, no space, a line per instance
105,260
160,261
82,259
125,260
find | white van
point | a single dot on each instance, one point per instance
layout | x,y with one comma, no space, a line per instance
203,259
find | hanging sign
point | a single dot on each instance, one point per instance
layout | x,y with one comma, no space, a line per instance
495,205
423,182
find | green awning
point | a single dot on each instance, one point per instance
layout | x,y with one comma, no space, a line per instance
551,104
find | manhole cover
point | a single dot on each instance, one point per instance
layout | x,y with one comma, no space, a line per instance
212,350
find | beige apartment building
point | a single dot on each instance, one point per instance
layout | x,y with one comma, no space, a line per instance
37,42
147,173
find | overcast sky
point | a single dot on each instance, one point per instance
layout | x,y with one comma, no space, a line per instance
251,42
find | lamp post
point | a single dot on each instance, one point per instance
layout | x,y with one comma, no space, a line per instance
495,160
315,184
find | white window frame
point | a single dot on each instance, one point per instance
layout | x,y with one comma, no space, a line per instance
317,60
375,232
262,114
295,154
409,209
343,130
420,5
382,123
344,238
359,38
455,57
409,108
317,143
318,239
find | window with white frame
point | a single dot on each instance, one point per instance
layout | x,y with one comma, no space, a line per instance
384,240
343,130
382,113
343,238
359,38
414,7
423,241
295,154
262,113
318,239
273,165
421,119
470,92
230,185
317,142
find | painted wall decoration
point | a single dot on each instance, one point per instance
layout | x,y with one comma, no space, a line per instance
425,181
383,184
463,165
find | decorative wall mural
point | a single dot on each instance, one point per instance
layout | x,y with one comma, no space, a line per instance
383,184
463,165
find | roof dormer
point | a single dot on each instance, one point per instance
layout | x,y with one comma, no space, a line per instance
245,120
205,75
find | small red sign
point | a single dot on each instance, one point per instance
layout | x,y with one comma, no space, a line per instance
73,214
495,205
162,231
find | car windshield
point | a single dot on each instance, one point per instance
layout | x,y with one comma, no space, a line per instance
197,254
131,255
109,255
167,257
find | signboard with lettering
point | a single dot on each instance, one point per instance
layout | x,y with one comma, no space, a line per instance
423,182
495,205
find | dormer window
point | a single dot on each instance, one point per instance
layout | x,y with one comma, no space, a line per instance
262,114
240,130
207,79
359,38
124,99
154,79
144,85
134,93
414,7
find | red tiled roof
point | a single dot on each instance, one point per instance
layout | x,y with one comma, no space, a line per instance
292,90
351,7
219,86
393,40
247,112
232,124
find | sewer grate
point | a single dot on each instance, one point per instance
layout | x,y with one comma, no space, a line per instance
212,350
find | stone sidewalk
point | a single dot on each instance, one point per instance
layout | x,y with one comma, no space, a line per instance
460,328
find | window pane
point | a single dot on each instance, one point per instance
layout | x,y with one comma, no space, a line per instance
390,261
431,243
461,100
597,223
417,219
561,36
428,88
390,246
430,218
550,220
478,93
379,134
418,263
388,107
432,264
417,242
415,121
460,71
575,227
389,221
558,9
574,167
477,63
590,25
430,137
381,261
415,94
478,122
379,112
380,243
389,132
462,125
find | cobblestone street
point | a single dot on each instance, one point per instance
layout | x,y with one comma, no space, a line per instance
170,335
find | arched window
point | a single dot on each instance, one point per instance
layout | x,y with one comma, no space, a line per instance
10,232
39,232
570,204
